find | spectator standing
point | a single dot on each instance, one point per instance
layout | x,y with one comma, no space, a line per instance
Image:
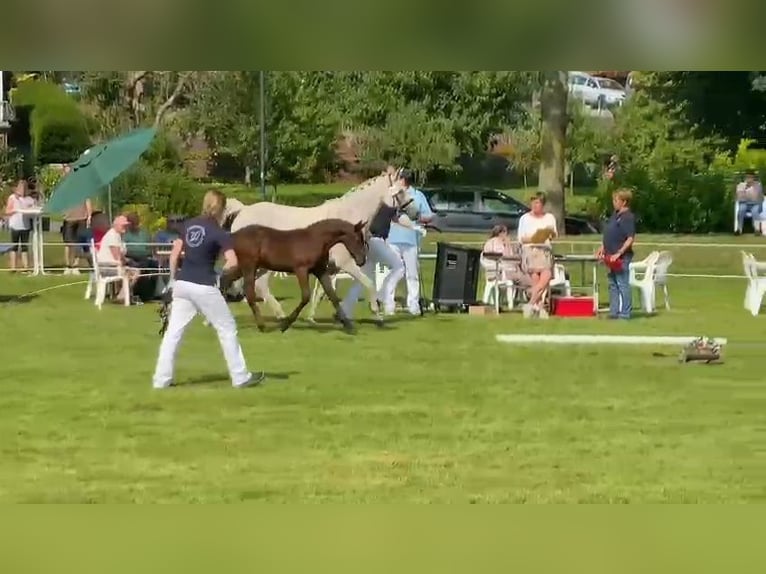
617,252
19,224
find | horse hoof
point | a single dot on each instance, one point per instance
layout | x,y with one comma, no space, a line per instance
284,326
380,323
348,327
262,328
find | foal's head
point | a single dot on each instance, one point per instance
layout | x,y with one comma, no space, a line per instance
353,237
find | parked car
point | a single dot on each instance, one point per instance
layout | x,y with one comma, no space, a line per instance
595,91
71,88
468,209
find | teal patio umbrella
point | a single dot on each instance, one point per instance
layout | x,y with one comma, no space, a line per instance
97,168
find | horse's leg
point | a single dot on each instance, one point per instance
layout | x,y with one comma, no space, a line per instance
228,278
326,281
271,301
249,276
356,272
316,298
303,280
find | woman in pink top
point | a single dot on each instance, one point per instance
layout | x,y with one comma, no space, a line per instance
500,242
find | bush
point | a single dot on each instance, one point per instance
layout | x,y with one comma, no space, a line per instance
58,129
163,192
11,165
679,184
59,135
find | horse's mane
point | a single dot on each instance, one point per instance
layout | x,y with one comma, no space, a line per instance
366,184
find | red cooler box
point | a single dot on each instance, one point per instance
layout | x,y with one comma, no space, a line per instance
573,307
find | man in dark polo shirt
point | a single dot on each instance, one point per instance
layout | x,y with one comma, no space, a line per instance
617,253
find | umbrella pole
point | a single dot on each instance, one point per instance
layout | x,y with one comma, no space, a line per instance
109,201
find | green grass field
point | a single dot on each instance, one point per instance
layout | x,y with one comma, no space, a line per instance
425,410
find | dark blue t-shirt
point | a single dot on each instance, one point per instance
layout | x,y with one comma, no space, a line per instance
204,240
618,228
380,226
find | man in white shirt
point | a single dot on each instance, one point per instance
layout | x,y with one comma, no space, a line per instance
111,252
405,242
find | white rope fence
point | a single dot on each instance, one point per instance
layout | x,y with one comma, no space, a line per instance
163,250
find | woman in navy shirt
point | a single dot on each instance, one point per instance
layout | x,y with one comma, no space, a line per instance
195,291
617,252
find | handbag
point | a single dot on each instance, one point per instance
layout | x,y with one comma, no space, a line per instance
615,266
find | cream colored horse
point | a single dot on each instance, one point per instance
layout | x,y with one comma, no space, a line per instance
359,204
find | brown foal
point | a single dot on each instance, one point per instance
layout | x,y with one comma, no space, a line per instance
302,252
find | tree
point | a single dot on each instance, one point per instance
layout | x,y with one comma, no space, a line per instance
587,137
414,139
520,147
553,107
121,101
729,104
225,109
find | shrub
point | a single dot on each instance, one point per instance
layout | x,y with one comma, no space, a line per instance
163,192
58,135
11,165
679,184
58,129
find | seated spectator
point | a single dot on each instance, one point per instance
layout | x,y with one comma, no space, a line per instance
137,242
749,195
167,236
99,226
500,242
536,228
111,251
140,255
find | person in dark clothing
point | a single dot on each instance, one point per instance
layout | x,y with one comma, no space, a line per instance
378,252
617,253
195,291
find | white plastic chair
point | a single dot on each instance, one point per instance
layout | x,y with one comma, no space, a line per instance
559,281
758,224
318,293
643,276
494,286
100,282
664,261
756,285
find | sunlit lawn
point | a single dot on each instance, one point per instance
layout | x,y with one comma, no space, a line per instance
425,410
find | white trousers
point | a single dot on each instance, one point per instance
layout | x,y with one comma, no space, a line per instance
408,254
188,300
378,251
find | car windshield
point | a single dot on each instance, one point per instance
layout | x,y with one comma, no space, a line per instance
609,83
450,200
500,203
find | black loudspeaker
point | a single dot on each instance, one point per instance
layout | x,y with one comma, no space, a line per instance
456,276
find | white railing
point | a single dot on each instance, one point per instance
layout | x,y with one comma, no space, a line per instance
163,250
7,113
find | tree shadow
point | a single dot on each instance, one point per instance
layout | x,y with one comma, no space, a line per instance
224,377
17,298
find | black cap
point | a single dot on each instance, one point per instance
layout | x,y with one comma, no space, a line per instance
407,175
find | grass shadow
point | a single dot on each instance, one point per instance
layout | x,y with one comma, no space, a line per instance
17,298
224,377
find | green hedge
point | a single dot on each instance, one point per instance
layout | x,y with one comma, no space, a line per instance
672,197
58,128
165,192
